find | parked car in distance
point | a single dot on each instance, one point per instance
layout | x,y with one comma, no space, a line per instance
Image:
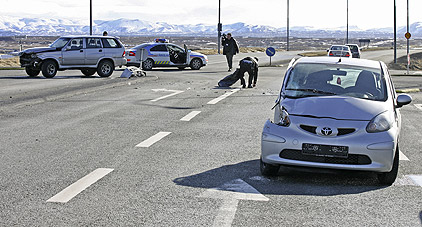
355,49
90,54
163,54
339,51
336,114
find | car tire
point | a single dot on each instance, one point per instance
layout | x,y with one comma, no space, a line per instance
268,169
105,68
32,72
196,64
388,178
88,72
147,64
49,68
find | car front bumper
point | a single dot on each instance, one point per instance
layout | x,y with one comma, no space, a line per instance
367,151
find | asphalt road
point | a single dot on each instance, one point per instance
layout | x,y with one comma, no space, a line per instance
172,149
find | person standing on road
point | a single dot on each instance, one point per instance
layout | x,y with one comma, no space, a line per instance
230,48
249,65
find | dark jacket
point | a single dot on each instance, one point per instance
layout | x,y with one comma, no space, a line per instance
230,46
250,64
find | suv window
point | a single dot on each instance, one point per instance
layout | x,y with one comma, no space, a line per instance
159,48
76,44
110,43
93,43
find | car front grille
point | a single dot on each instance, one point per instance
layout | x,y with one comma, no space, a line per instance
352,159
341,131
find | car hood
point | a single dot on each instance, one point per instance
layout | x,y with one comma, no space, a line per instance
38,50
342,108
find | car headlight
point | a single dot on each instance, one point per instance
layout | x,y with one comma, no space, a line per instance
380,123
284,118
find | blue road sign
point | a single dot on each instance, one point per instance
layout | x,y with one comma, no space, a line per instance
270,51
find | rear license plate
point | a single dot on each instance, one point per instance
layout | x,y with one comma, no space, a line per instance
325,150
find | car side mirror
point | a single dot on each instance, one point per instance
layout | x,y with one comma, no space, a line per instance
403,99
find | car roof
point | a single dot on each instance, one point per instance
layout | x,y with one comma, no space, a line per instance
344,61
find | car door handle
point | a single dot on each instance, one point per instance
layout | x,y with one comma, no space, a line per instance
100,51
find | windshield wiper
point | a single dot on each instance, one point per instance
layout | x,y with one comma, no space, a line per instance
312,90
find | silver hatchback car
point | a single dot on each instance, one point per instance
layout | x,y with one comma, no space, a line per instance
336,113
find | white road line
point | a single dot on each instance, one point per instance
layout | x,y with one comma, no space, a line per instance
225,95
403,157
153,139
416,178
419,106
175,92
226,213
190,116
74,189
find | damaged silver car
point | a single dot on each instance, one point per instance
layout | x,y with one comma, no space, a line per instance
335,113
90,54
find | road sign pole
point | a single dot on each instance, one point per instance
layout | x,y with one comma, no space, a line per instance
408,55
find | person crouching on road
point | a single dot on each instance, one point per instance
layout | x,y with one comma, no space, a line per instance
249,65
230,48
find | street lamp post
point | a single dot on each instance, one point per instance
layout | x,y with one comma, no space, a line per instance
288,25
90,17
408,54
347,29
219,27
395,33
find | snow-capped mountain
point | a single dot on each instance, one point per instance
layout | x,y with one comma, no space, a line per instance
135,27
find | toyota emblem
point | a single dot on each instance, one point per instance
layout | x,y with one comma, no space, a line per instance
326,131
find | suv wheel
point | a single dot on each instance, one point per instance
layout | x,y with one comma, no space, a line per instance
49,68
105,68
31,71
88,72
195,64
148,64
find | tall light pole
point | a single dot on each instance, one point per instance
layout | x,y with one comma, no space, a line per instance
395,33
347,29
219,26
90,17
288,25
408,56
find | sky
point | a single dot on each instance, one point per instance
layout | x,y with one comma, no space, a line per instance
365,14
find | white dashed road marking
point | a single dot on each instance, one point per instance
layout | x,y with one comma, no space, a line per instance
190,116
175,92
225,95
153,139
402,157
74,189
419,106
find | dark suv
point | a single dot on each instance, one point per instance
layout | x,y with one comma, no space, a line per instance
89,54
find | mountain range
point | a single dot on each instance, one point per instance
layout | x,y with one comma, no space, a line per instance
10,26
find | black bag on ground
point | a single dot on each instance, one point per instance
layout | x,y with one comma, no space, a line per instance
230,79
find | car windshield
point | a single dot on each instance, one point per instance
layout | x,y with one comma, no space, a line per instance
60,43
311,79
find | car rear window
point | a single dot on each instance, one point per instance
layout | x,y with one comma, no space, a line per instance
110,43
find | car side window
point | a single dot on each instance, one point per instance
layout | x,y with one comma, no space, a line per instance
76,44
110,43
159,48
93,43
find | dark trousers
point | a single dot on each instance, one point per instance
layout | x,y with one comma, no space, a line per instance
252,76
229,58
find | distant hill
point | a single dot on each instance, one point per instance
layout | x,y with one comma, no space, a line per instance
133,27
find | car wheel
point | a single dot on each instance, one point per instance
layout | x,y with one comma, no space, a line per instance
195,64
105,68
88,72
268,169
49,68
32,72
148,64
388,178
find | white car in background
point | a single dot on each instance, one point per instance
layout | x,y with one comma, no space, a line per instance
164,54
339,51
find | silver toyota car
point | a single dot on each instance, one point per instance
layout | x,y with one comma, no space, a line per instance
336,113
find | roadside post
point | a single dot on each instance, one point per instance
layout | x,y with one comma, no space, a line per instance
270,52
408,35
